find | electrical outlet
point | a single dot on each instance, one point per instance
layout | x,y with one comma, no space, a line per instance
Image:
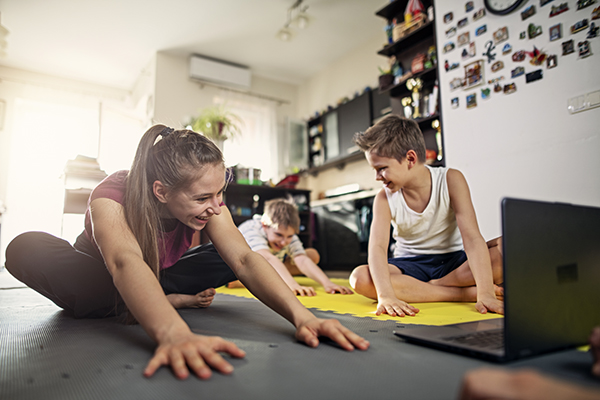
576,104
592,99
584,102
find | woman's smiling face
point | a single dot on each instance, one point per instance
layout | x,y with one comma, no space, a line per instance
197,203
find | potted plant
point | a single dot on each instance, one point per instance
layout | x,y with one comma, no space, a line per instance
386,78
217,123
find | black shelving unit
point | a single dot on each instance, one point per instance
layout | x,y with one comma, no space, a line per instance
405,49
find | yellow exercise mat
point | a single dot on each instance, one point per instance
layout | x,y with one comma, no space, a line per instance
360,306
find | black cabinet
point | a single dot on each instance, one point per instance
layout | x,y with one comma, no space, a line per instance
244,201
331,133
353,116
405,48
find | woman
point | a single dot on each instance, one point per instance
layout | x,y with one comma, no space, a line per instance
133,255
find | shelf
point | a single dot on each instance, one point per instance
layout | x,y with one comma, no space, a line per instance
409,40
339,162
396,8
400,88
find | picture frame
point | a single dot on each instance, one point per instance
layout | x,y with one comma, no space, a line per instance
501,35
474,74
469,51
481,30
555,32
479,14
568,47
463,39
529,11
471,100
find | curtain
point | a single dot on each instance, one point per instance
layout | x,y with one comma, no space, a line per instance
257,146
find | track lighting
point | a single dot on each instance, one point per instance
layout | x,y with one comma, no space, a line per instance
296,17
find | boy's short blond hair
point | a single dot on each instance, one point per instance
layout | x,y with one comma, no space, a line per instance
281,213
392,137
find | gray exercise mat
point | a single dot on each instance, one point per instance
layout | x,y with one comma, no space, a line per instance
46,354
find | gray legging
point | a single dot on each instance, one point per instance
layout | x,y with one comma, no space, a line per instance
77,280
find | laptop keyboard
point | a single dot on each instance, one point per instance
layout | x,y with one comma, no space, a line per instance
492,339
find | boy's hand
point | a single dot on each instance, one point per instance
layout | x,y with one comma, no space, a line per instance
395,308
489,302
310,331
332,288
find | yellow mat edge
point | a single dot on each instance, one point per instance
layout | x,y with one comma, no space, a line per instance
438,313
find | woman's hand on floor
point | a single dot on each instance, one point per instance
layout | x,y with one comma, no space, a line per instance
196,352
310,331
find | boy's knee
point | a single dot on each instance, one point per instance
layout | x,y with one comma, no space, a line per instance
361,282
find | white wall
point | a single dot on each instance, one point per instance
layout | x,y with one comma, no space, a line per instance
344,77
350,74
524,144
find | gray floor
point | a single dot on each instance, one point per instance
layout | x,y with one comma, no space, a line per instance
45,354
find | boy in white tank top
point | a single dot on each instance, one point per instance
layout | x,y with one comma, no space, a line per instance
440,254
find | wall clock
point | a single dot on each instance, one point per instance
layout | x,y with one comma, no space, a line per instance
502,7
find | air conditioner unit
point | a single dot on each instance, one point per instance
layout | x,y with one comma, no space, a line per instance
219,72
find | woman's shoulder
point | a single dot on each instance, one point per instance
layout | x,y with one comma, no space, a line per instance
112,187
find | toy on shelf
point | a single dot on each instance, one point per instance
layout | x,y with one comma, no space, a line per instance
414,18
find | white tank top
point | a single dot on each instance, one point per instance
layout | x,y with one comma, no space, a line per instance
434,231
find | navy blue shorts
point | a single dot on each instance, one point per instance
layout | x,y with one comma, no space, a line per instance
429,266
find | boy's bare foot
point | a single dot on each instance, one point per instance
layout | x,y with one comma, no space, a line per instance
199,300
470,293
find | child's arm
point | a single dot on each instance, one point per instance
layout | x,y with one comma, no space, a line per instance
312,270
379,239
475,246
285,274
260,278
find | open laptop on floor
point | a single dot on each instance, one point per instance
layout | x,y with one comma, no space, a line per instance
551,257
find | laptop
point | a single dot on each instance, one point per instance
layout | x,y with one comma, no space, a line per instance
551,255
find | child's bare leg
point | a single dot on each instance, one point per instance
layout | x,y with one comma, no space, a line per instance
199,300
463,277
408,288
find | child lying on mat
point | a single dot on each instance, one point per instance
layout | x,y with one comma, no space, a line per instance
134,255
273,235
432,216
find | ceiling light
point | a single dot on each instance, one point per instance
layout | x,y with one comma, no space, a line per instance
297,17
302,20
284,34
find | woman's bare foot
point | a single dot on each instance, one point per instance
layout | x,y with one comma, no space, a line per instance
199,300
